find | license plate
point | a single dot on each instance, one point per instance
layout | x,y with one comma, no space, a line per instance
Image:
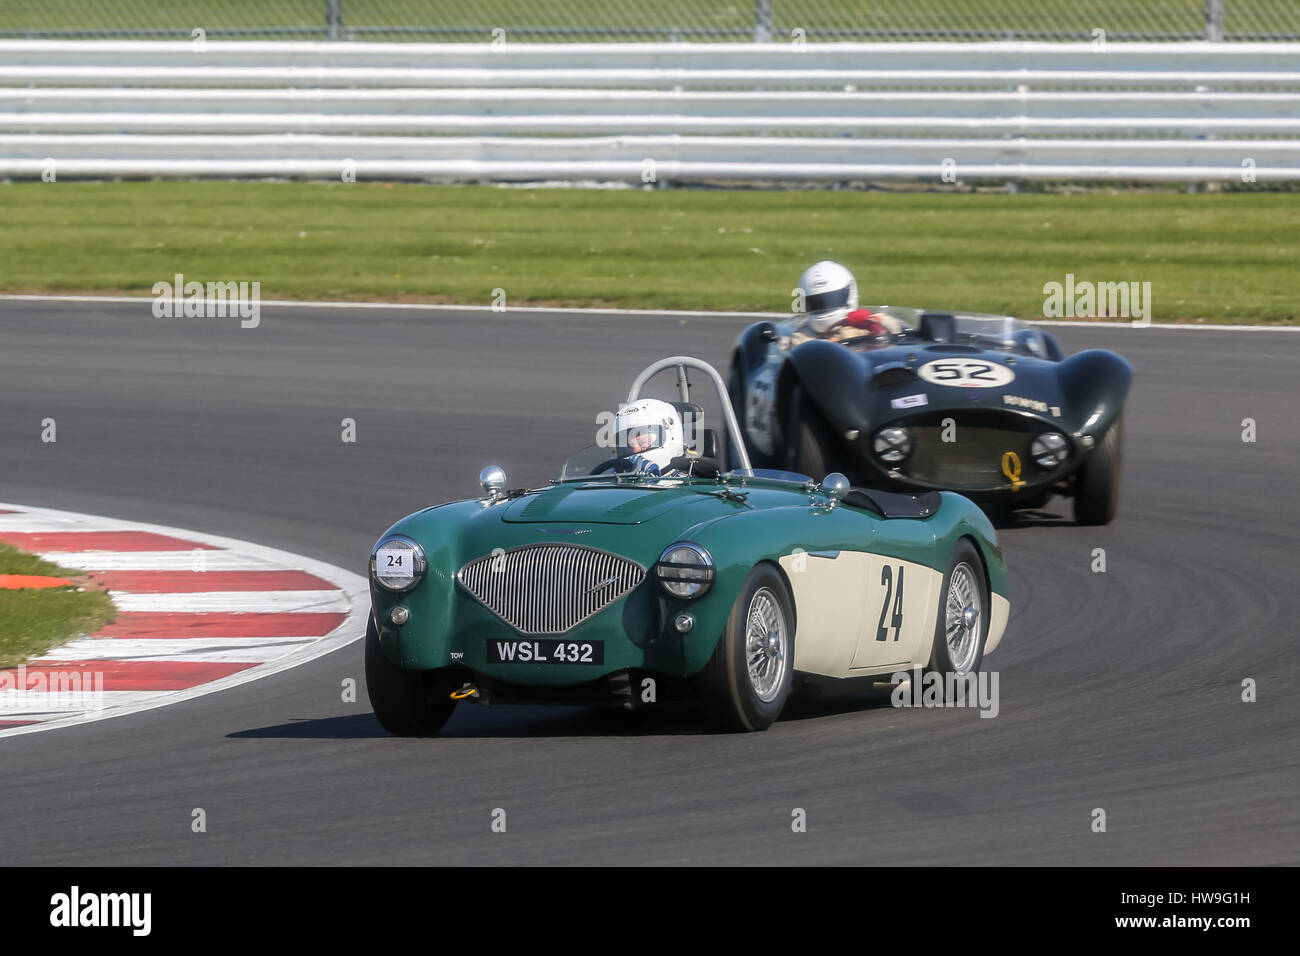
546,651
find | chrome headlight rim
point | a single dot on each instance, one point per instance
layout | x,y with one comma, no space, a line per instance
670,574
1049,450
896,449
420,561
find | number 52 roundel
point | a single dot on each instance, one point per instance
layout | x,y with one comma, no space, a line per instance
966,373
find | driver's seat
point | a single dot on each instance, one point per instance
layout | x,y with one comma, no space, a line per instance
691,413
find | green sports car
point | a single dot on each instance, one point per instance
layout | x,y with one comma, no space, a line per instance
618,583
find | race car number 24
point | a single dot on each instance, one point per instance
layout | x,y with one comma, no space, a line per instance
893,594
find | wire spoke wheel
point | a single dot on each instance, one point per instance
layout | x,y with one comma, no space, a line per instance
963,617
767,644
747,680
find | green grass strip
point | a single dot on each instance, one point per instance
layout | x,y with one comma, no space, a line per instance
1225,257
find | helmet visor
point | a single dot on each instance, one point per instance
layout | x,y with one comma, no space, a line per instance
639,439
825,301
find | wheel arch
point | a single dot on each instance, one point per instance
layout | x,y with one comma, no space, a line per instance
789,591
984,558
835,379
1095,384
996,622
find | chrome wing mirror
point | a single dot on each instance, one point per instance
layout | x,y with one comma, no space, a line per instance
493,480
835,486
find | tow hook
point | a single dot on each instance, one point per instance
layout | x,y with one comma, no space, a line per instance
469,690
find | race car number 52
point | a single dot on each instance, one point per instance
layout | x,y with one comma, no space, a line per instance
966,373
546,651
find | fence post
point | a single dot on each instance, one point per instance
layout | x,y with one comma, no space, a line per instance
334,19
1214,20
762,21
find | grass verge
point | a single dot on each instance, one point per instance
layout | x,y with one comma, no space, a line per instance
34,620
1227,257
584,19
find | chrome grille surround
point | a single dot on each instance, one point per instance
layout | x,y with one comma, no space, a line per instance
549,588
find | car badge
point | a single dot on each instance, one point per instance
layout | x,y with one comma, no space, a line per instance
603,584
565,530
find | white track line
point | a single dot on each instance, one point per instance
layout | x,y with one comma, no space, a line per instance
225,602
30,524
225,650
55,712
269,655
648,313
200,560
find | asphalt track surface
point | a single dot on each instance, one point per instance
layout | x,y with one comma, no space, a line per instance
1119,690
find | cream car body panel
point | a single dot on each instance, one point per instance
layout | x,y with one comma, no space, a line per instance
830,600
998,617
839,596
911,642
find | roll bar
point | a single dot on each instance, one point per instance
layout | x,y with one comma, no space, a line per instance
682,363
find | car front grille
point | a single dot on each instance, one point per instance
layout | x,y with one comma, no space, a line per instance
973,461
549,588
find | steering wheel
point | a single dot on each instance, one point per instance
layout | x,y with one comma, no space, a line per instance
613,465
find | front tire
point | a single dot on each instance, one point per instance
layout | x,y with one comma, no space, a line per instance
746,682
407,703
1096,487
962,625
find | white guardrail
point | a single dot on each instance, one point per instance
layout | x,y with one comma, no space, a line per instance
1133,111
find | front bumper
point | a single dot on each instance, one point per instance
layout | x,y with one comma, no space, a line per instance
988,454
636,633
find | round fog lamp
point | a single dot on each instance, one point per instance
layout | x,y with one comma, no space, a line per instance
683,622
893,444
1049,449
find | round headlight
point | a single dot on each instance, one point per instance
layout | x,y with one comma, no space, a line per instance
685,570
893,444
1049,449
397,563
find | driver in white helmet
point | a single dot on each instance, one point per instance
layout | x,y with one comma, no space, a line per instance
649,435
830,301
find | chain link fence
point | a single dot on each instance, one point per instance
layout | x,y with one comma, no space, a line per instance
638,20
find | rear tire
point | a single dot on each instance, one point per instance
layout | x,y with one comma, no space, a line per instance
746,682
407,703
1096,486
958,639
808,437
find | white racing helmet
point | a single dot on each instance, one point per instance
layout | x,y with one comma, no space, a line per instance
830,293
649,430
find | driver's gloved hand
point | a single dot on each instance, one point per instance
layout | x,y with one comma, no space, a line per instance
644,466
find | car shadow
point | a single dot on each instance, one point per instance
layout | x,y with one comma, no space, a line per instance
520,721
523,721
351,727
832,698
1006,520
506,721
